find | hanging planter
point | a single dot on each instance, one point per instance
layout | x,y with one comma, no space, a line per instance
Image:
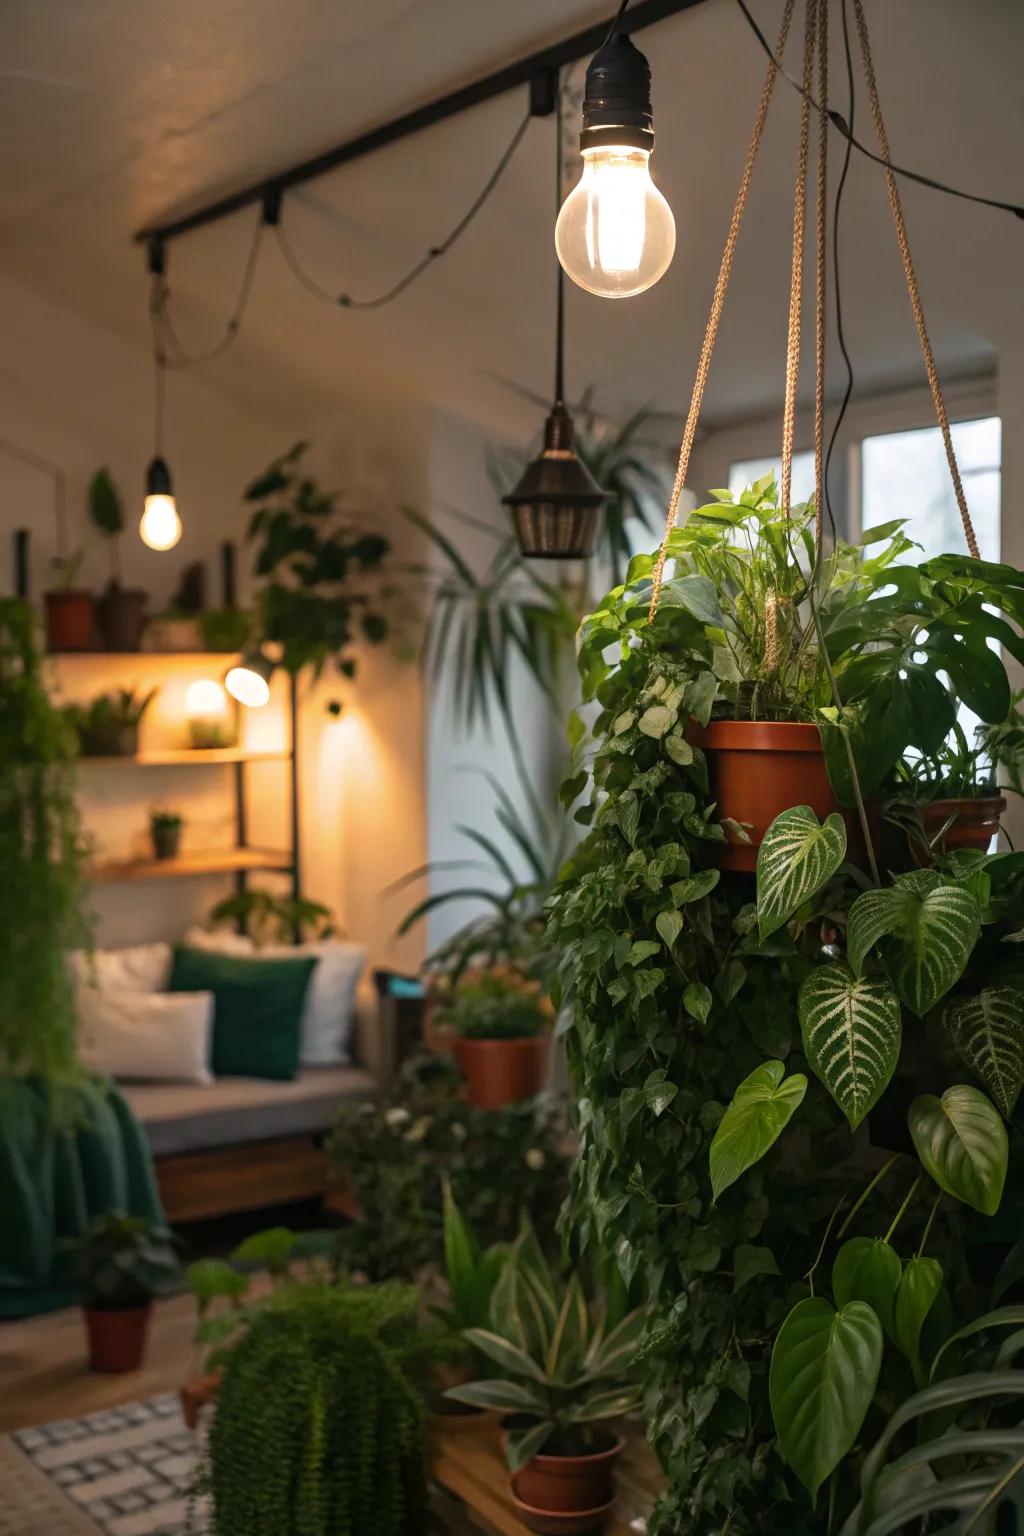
951,825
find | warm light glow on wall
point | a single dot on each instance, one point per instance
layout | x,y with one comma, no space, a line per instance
209,714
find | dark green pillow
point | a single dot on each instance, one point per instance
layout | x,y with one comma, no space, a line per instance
257,1009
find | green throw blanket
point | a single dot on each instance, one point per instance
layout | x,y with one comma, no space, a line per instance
57,1171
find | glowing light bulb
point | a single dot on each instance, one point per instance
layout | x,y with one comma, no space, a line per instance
249,681
160,526
209,720
615,234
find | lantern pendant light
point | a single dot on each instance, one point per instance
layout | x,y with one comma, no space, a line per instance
556,503
160,525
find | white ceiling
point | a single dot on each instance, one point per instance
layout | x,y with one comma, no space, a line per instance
118,112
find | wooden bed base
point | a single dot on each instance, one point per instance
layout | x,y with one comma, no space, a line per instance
195,1185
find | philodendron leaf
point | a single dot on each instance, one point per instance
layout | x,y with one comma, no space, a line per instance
872,915
823,1375
867,1269
796,858
761,1108
919,1287
936,928
988,1032
962,1143
851,1031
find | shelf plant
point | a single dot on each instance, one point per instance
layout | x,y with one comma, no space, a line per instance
165,832
121,610
270,918
109,725
500,1022
121,1263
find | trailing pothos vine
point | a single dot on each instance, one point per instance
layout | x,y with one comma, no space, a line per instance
792,1100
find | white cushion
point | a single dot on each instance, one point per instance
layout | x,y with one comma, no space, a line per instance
146,1036
329,1011
141,968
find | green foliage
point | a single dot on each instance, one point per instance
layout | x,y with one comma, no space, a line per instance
471,1272
164,821
761,1108
797,857
102,726
988,1033
317,1428
852,1031
962,1143
317,600
225,629
122,1261
495,1009
270,918
393,1156
42,897
565,1363
107,514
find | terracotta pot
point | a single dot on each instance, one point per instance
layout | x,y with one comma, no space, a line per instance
500,1072
976,824
196,1395
760,768
122,617
551,1523
581,1486
70,621
117,1340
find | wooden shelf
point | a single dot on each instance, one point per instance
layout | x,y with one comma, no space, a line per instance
149,655
192,757
221,861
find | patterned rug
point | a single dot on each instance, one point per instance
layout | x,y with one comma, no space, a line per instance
123,1472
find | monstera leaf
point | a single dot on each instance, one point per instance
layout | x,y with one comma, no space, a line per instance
962,1143
797,857
932,924
988,1032
761,1108
823,1375
851,1030
867,1269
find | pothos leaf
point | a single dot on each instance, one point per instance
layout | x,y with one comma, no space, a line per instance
851,1031
867,1269
962,1144
920,1285
988,1032
796,858
761,1108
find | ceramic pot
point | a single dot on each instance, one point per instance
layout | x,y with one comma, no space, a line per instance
976,824
117,1339
70,621
760,768
561,1486
197,1394
110,741
166,841
500,1072
122,617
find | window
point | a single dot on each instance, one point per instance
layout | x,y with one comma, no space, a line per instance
746,471
905,474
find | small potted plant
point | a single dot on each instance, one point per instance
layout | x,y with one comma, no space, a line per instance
567,1368
502,1041
122,1263
471,1274
70,610
121,610
109,726
165,833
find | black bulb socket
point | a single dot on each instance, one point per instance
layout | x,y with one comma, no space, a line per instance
158,478
617,98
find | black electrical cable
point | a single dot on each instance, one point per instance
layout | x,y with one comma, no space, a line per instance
615,23
851,107
839,123
346,301
175,354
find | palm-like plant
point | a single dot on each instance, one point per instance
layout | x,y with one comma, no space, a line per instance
568,1361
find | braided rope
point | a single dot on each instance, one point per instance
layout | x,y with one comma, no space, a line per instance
797,266
714,318
819,283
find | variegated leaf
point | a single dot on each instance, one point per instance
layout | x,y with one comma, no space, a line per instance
851,1030
937,927
871,917
988,1032
797,857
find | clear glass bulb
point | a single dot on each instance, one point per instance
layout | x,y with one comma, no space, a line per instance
615,234
160,526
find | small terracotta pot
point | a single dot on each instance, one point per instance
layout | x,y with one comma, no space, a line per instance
117,1340
569,1485
760,768
122,617
197,1394
551,1523
976,824
70,621
500,1072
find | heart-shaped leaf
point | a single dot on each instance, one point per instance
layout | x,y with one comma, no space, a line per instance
867,1269
796,858
851,1031
761,1108
962,1143
988,1032
669,926
919,1287
823,1375
936,927
872,915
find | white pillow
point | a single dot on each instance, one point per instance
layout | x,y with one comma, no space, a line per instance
141,968
154,1036
329,1011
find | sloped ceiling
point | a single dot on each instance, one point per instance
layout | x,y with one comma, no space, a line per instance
119,112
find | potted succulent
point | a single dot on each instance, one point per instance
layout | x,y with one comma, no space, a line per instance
568,1367
70,610
121,610
502,1039
165,833
122,1263
109,725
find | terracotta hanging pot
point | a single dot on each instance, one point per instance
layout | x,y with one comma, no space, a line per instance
973,824
117,1339
760,768
70,620
567,1494
500,1072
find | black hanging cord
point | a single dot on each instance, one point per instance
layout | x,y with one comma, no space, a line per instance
346,301
560,300
839,123
615,24
157,320
177,356
851,107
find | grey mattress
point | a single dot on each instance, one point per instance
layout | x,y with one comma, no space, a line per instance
185,1117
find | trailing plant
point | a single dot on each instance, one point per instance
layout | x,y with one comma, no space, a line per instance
270,918
566,1364
122,1261
394,1154
42,895
315,563
317,1426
